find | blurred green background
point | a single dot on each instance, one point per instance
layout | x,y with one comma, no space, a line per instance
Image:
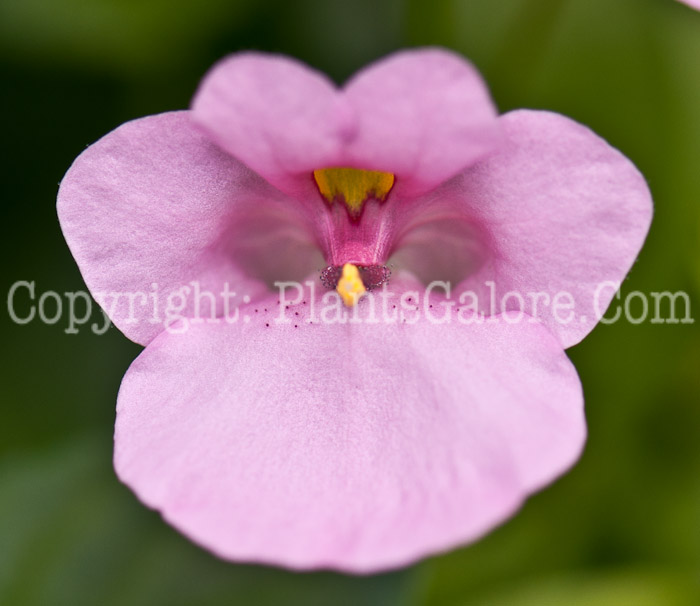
623,528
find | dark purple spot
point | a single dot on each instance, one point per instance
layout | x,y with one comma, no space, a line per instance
373,276
330,276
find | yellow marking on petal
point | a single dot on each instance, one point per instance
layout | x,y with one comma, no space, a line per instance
353,186
350,286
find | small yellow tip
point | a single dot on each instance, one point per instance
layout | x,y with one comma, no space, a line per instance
350,286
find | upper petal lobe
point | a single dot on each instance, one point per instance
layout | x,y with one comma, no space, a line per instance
421,114
424,115
275,114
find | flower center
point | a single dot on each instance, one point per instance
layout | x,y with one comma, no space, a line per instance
355,238
353,186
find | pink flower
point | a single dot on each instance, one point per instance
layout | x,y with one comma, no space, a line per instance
692,3
357,446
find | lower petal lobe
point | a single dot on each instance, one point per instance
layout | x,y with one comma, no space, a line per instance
358,447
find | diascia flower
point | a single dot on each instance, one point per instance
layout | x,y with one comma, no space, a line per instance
356,445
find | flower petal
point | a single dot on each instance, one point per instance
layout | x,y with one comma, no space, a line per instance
424,115
557,210
277,115
351,446
154,202
421,114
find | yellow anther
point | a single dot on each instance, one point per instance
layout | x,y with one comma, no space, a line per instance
350,286
353,186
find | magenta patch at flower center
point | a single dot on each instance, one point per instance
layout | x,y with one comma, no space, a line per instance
356,226
353,187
